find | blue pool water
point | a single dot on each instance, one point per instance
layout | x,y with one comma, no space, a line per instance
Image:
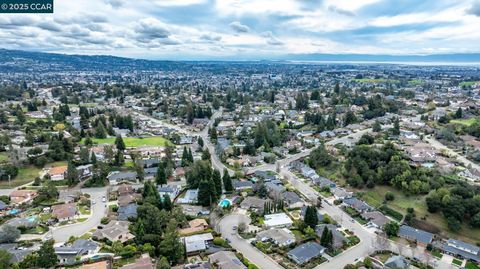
32,218
225,203
14,211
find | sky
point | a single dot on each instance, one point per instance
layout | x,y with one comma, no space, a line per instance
246,29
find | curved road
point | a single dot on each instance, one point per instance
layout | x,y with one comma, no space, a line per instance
98,211
243,246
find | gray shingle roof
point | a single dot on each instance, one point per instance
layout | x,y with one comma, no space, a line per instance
306,252
415,234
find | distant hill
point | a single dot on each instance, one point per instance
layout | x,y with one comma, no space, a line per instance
28,61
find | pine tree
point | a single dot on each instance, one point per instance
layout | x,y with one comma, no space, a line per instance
227,181
100,131
72,175
167,203
119,143
161,177
217,179
204,193
311,217
185,157
206,155
171,246
200,142
46,255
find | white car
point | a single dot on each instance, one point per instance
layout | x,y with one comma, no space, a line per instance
94,202
104,200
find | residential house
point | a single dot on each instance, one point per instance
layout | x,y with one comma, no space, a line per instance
171,191
359,205
254,204
461,249
339,238
196,265
282,237
69,254
64,212
375,219
415,235
242,185
305,253
275,190
197,243
114,231
117,177
194,226
22,196
57,173
191,197
127,211
277,220
226,260
293,200
340,193
85,171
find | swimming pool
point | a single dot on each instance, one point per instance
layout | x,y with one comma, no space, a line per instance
14,211
225,203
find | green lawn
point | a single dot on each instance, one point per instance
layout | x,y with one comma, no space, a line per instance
466,122
471,265
457,262
468,83
134,141
437,254
25,175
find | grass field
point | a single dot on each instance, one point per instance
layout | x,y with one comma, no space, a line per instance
468,83
25,175
466,122
135,142
471,265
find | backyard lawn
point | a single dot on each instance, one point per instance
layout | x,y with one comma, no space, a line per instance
135,142
25,175
3,156
471,265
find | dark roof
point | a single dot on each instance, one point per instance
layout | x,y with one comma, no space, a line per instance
462,249
125,212
357,204
85,244
304,253
122,176
415,234
242,184
291,197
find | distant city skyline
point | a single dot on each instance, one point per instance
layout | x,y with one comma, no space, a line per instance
246,29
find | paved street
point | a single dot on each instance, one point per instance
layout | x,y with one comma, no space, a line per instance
439,146
99,210
242,245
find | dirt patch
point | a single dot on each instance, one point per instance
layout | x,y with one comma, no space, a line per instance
423,225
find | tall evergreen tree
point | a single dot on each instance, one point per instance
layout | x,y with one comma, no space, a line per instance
46,255
311,217
72,175
119,143
161,177
227,181
217,179
171,246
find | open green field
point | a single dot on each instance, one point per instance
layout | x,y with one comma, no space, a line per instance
468,83
375,197
25,175
375,80
466,122
135,142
